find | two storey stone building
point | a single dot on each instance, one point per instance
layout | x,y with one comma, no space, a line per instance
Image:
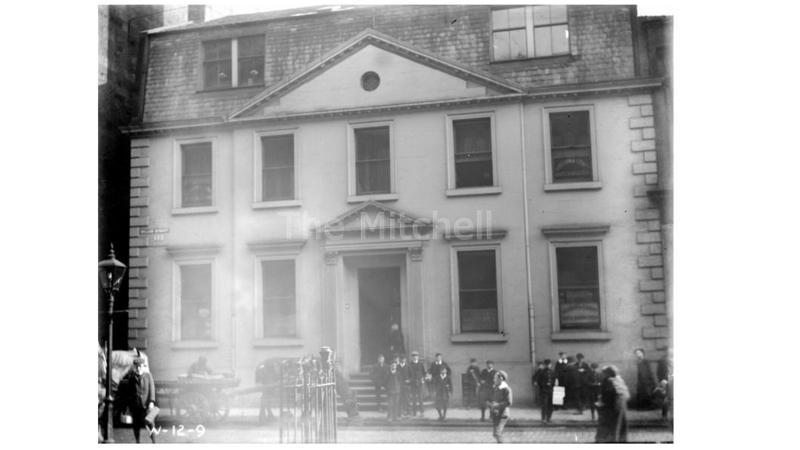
484,177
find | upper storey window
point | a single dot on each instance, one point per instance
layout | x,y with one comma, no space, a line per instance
237,62
529,32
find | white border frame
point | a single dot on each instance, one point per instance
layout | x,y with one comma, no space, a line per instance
177,176
352,197
455,283
258,202
548,155
452,191
176,300
577,242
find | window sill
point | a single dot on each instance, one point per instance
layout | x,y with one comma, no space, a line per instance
194,344
278,342
375,197
587,185
478,337
552,59
277,204
465,192
195,210
223,89
580,336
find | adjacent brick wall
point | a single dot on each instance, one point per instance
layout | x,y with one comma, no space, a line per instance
600,39
138,262
648,217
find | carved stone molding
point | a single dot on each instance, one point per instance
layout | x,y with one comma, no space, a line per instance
331,258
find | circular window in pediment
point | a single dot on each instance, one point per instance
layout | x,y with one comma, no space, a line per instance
370,81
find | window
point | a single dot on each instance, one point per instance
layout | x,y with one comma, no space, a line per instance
195,294
219,69
570,153
578,287
477,305
275,167
278,302
529,32
196,176
371,155
472,160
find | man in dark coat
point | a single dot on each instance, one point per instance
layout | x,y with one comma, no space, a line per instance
561,373
378,376
138,392
397,345
612,425
664,374
443,389
500,407
546,379
394,384
405,388
595,383
536,391
583,379
417,374
474,380
486,387
645,382
571,382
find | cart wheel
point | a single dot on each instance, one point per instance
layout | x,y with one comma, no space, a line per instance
219,408
193,407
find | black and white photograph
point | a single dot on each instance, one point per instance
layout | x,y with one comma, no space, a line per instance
385,223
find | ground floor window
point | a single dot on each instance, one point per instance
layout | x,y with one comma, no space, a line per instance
477,289
278,299
196,301
578,287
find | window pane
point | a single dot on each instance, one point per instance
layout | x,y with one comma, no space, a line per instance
499,19
217,74
570,142
251,71
519,44
477,277
558,13
560,39
196,301
473,152
196,177
479,320
373,165
278,184
502,47
216,50
578,287
541,15
477,270
570,128
516,18
278,151
279,304
251,46
541,41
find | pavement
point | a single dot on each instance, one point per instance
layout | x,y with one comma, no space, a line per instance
521,416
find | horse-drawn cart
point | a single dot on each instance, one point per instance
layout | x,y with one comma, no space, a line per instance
198,400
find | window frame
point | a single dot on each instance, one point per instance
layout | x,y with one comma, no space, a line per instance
177,323
258,307
452,190
177,202
530,28
234,41
455,249
352,172
258,200
550,185
587,334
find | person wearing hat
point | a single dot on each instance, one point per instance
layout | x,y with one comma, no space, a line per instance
378,377
486,388
584,382
393,385
417,374
138,391
500,407
545,380
474,380
443,390
405,387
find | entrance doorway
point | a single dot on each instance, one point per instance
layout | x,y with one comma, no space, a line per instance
379,305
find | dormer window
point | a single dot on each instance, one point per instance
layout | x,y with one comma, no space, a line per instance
220,72
529,32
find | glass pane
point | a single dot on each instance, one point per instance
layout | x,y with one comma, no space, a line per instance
278,278
196,301
251,46
560,37
577,267
372,177
479,320
502,48
499,19
541,41
569,129
472,135
251,71
196,158
558,13
217,74
516,18
474,174
578,287
541,15
519,44
277,151
477,270
196,188
217,50
277,184
372,143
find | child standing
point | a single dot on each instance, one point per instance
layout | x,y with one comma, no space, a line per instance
444,389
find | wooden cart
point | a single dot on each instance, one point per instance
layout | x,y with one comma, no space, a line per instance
197,400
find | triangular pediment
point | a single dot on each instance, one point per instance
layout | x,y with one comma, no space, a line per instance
406,75
371,216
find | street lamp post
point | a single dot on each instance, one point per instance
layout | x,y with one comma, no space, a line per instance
110,272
